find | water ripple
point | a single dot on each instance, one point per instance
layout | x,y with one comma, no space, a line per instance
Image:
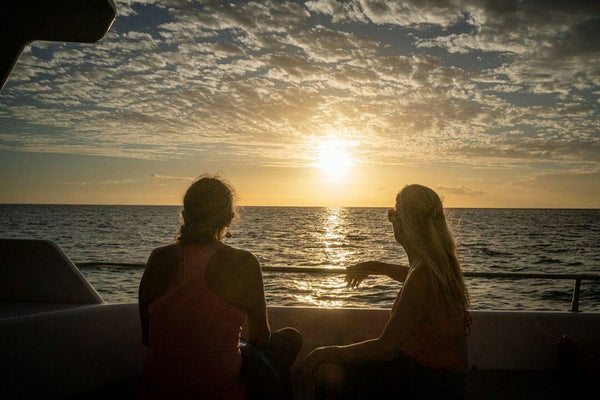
496,240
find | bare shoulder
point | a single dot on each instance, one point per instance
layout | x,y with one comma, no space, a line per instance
163,253
161,269
165,248
235,276
239,259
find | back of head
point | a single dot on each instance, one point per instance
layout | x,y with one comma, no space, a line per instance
426,229
208,209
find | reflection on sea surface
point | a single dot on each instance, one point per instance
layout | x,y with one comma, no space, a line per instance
334,233
327,292
550,241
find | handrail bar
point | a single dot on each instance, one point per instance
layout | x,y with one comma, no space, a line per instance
342,271
467,274
92,264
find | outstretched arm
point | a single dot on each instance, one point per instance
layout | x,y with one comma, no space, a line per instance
357,273
409,310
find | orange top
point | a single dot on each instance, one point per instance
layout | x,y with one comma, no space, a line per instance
434,344
194,335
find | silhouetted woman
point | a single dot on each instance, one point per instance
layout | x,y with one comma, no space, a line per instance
421,352
194,297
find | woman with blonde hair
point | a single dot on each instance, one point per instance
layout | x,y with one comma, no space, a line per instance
421,351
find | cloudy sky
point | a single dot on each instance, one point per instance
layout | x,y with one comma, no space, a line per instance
325,103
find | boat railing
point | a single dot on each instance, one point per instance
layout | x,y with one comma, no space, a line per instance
575,277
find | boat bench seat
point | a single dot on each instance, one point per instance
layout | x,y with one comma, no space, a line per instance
38,271
499,340
64,353
58,338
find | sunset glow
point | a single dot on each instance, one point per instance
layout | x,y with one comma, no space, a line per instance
334,159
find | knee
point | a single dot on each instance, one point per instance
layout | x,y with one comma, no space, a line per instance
288,337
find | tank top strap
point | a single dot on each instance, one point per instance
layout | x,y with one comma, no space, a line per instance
196,256
208,250
194,261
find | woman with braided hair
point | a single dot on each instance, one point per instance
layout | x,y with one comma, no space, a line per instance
422,350
194,297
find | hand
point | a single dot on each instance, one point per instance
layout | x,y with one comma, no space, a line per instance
355,274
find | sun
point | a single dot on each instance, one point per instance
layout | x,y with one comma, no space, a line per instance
334,158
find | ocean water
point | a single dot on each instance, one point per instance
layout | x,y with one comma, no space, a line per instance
489,240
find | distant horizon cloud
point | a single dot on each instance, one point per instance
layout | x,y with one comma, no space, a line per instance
171,178
459,190
116,181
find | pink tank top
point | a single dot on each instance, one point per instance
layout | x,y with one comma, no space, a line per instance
194,335
433,344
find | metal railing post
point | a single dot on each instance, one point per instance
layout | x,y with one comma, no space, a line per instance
575,301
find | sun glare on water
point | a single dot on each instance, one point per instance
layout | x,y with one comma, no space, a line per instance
334,158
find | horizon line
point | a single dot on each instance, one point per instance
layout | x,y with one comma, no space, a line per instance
293,206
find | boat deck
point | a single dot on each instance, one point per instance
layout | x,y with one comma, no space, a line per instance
481,384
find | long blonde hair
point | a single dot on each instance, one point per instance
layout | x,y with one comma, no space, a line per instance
425,228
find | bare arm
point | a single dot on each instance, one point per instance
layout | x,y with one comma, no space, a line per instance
255,305
159,273
358,272
236,277
403,321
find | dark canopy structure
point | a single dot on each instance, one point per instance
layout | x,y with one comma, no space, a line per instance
23,21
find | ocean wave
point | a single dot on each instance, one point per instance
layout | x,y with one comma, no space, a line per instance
494,253
357,237
546,260
556,295
488,240
574,264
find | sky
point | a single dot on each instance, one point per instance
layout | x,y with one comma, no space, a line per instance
316,103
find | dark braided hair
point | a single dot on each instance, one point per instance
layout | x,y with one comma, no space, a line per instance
208,209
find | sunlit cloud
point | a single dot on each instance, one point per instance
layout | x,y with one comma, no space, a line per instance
171,178
581,183
116,181
465,81
459,190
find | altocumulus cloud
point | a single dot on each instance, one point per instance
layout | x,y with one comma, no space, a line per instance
464,81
